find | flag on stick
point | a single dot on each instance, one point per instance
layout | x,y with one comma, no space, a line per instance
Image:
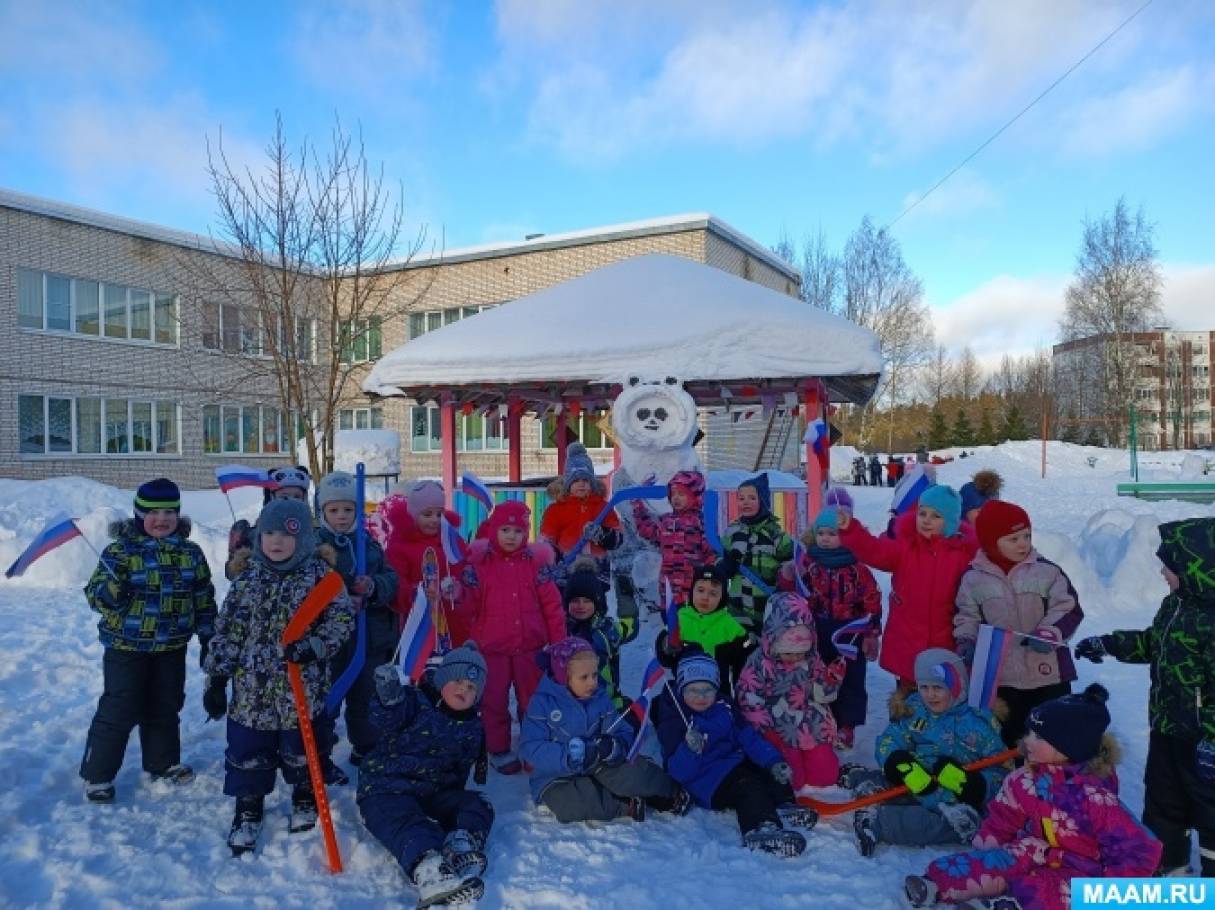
991,649
471,485
235,476
453,543
58,531
418,638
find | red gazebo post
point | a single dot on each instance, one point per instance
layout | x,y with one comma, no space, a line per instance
514,435
814,470
447,446
562,441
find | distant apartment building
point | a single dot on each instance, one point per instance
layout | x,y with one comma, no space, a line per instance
1172,385
116,367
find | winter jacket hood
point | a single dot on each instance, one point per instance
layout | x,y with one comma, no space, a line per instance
1188,549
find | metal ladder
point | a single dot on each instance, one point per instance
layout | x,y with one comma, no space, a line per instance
776,438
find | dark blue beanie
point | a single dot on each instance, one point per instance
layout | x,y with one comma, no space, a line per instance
160,493
1073,724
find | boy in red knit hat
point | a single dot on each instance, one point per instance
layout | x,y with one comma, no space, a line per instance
1010,586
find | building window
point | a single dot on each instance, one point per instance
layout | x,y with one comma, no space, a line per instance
361,419
474,433
585,426
421,323
57,303
94,426
361,340
248,430
242,330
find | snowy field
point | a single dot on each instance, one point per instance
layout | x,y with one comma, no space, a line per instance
161,846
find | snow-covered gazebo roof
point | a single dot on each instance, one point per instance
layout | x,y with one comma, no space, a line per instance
725,338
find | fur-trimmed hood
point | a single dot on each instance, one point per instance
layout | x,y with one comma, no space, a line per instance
899,709
244,555
133,527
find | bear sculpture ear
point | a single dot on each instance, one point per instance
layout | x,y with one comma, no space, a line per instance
634,380
671,380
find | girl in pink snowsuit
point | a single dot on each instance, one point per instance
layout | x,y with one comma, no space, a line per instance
514,611
1056,818
680,534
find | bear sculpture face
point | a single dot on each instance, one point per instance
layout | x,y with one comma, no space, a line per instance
654,415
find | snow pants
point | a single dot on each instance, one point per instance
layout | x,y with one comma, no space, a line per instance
145,690
603,794
253,757
1020,702
753,795
990,873
816,767
1177,800
903,820
381,643
411,826
852,703
505,670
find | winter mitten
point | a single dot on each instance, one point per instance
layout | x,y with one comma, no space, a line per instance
1091,649
575,752
215,697
1044,647
781,772
305,650
1204,758
694,739
204,648
965,649
604,749
593,533
903,768
449,588
871,646
968,786
388,684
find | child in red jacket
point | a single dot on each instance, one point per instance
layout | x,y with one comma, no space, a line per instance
680,534
927,563
580,498
514,611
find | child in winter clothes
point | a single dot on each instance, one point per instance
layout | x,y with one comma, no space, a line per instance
290,482
723,762
514,610
932,736
978,491
1179,781
373,592
1010,586
705,623
928,555
412,794
580,497
785,688
586,617
153,590
680,534
1056,818
576,744
758,544
263,727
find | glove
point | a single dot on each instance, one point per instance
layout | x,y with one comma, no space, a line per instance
1043,647
628,628
576,752
694,739
304,650
781,773
903,768
968,786
388,684
215,697
362,585
604,749
593,533
965,649
204,648
1091,649
1204,759
871,646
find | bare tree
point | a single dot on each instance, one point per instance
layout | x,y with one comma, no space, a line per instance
967,375
1115,293
820,273
937,377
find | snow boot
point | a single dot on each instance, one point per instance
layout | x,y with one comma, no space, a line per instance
681,802
796,816
175,774
634,808
246,824
962,818
845,739
462,852
772,838
303,809
332,773
439,886
851,774
920,892
864,826
506,763
356,757
99,793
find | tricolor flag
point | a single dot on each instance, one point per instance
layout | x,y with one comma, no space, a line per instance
672,616
850,630
991,648
418,638
453,543
907,491
234,476
654,674
816,435
58,531
471,485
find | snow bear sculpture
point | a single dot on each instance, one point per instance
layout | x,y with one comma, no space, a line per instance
655,426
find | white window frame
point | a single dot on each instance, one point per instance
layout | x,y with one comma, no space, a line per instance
74,313
462,436
445,316
102,400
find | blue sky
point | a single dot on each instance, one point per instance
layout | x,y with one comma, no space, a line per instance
532,115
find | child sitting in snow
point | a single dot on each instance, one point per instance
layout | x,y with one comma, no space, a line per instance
576,744
578,500
412,794
263,727
586,617
928,555
680,534
1056,818
932,736
290,482
723,762
1009,586
757,543
841,590
153,590
1179,782
707,624
785,688
514,610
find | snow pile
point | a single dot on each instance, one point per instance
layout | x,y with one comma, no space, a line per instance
730,478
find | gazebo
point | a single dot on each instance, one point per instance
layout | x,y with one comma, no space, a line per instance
731,342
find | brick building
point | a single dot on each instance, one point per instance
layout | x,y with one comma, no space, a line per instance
116,367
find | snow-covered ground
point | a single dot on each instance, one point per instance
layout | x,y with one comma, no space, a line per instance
166,846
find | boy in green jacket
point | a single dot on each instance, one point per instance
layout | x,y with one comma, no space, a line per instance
706,622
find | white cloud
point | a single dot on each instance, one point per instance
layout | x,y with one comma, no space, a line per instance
59,41
965,192
1188,296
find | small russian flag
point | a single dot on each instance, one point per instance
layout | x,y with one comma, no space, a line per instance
850,630
672,617
471,485
453,543
907,491
234,476
816,435
418,637
58,531
644,701
991,649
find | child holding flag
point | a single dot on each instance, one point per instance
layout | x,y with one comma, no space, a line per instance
680,534
579,498
152,587
756,545
706,623
932,736
289,482
723,762
577,746
586,617
1010,586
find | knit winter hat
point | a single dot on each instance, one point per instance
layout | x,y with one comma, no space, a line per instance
759,483
694,667
511,512
827,518
585,583
290,477
999,519
985,485
942,667
160,493
578,466
714,571
691,482
562,653
464,662
336,487
422,495
840,498
285,516
1073,724
946,502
